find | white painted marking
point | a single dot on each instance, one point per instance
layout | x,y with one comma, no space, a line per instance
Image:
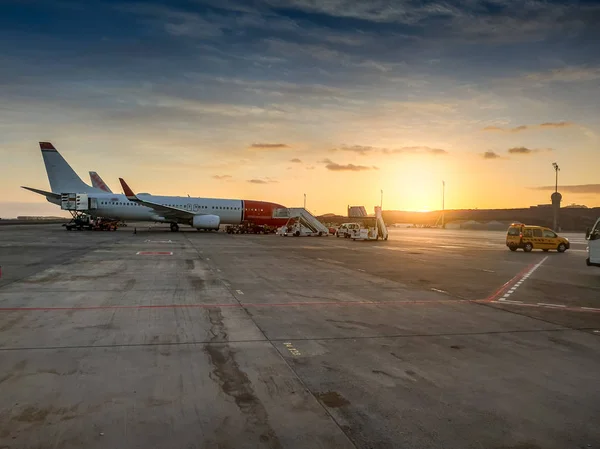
360,269
207,258
290,347
440,291
513,302
550,305
239,292
218,269
591,308
523,279
489,271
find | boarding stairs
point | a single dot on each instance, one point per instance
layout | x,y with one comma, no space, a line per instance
304,217
382,230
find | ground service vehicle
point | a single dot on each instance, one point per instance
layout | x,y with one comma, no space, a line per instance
593,238
346,229
528,238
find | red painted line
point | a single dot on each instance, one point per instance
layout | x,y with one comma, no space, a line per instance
232,305
510,283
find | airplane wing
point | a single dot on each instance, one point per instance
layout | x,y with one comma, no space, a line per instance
165,211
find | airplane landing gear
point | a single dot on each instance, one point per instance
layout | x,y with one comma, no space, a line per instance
174,227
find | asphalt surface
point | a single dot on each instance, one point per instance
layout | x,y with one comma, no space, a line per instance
433,339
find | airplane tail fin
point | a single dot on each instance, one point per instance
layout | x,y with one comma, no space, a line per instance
98,183
61,176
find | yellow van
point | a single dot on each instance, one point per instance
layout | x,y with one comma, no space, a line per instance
535,237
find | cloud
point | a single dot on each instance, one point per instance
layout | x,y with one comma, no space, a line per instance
296,161
333,166
360,149
364,150
491,155
221,177
582,188
269,146
520,150
529,127
556,125
568,74
525,150
262,181
416,150
492,128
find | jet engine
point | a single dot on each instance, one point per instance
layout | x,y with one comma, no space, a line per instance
206,221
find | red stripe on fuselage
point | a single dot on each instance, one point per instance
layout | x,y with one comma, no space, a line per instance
261,213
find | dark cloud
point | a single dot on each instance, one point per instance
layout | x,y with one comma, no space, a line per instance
580,189
556,125
529,127
221,177
525,150
269,146
520,150
333,166
296,160
490,155
567,74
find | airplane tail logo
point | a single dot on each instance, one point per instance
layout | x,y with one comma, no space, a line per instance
98,183
61,176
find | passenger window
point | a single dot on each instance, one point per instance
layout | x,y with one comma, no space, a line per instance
549,234
527,233
537,233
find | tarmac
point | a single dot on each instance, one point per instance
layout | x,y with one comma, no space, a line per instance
432,339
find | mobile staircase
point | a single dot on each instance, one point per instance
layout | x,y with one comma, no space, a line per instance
300,222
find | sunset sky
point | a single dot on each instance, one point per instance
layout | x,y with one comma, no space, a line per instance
338,99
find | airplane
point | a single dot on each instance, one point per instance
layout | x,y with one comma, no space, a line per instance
98,183
200,213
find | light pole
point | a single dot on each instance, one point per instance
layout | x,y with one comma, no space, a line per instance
305,201
443,204
556,199
381,203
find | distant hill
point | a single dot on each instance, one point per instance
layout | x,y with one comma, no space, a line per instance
571,218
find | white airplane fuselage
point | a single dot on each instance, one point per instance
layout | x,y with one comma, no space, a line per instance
117,206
